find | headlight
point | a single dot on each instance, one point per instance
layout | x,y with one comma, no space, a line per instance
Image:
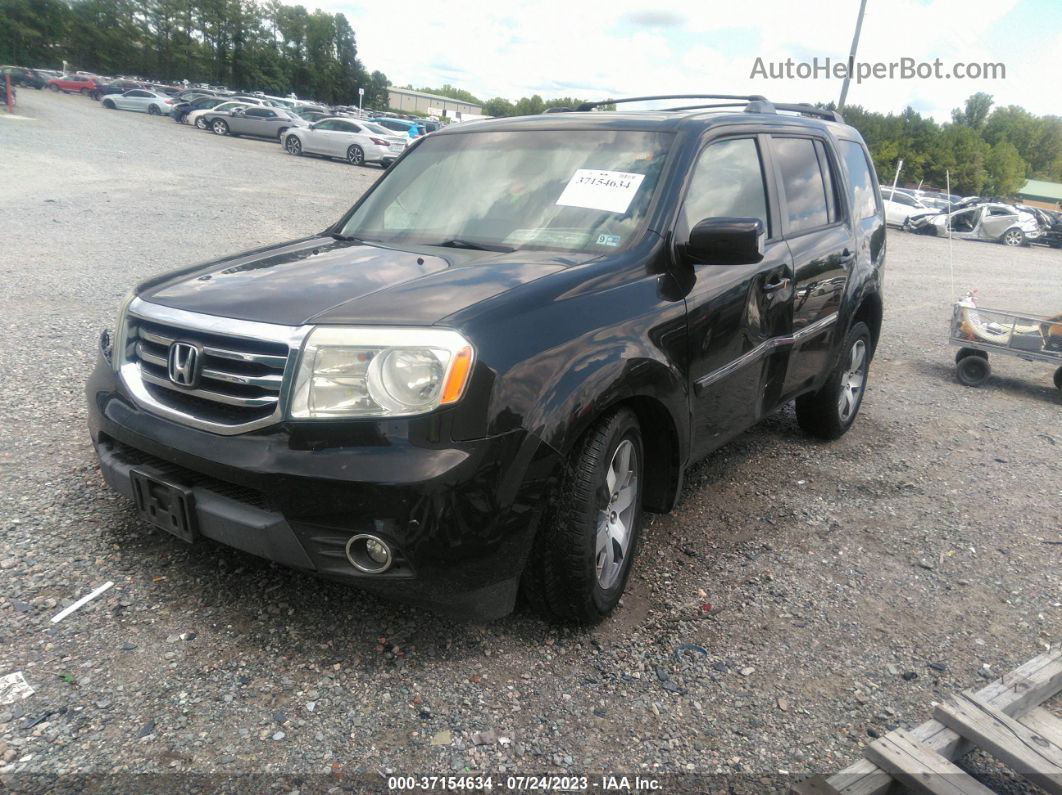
379,372
120,332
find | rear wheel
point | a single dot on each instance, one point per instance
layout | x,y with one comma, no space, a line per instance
830,412
84,92
962,353
293,146
973,370
584,549
153,110
219,127
1013,237
1058,378
356,155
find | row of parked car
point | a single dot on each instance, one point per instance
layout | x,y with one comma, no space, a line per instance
972,217
302,127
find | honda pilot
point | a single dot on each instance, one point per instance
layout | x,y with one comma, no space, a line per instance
476,383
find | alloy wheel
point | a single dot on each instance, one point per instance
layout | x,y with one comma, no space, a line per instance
355,156
615,521
1013,237
293,145
201,123
219,127
853,380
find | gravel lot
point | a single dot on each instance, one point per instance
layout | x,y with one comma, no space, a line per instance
836,573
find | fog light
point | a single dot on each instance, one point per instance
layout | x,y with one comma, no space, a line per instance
369,554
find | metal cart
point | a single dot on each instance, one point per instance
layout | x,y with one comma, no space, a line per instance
978,332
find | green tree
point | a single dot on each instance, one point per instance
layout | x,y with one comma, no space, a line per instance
1006,169
975,112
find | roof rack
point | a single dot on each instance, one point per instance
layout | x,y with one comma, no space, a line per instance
753,103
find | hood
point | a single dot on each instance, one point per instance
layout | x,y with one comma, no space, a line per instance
322,280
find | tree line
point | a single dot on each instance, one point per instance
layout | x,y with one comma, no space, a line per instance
988,151
242,44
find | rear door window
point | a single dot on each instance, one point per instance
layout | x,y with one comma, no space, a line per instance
806,203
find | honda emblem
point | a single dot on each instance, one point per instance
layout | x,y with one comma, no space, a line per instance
183,364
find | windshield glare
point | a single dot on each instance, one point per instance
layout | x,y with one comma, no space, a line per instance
571,190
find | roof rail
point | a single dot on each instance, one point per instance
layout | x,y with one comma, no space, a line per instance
811,110
753,103
746,98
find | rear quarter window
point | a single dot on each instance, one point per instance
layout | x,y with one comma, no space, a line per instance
861,194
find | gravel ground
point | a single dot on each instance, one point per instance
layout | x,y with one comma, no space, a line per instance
851,584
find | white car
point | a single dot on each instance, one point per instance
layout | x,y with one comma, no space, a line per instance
140,99
991,221
196,116
900,205
357,142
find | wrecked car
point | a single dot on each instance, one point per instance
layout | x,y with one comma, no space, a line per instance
999,223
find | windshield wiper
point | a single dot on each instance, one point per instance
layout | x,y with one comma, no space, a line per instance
468,244
344,238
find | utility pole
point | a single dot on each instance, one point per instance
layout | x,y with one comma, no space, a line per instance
361,96
852,56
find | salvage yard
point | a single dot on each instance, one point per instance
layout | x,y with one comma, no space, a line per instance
803,598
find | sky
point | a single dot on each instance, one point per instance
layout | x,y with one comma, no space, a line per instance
601,48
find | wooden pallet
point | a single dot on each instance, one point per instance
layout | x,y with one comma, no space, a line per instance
1003,719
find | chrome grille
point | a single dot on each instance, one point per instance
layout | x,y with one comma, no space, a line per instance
240,371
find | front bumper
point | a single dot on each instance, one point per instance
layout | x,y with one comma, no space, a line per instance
460,515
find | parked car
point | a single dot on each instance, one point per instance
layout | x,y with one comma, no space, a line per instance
311,115
351,140
114,87
999,223
411,129
182,109
260,122
73,84
899,205
197,117
22,76
140,99
516,342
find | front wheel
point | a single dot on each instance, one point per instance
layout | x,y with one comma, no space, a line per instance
109,105
830,412
1013,237
584,549
293,146
1058,378
200,123
54,87
356,155
219,127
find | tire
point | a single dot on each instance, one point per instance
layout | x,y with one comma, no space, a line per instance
293,146
219,127
109,105
153,110
1013,237
84,92
200,123
1058,378
54,87
830,412
962,353
973,370
355,155
584,549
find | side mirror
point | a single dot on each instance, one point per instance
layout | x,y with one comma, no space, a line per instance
727,241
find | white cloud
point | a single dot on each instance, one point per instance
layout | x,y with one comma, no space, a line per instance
595,48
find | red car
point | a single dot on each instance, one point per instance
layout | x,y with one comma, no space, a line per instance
78,84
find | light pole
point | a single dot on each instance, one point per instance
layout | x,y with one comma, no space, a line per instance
361,94
852,56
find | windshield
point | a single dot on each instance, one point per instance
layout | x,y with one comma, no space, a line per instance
376,128
571,190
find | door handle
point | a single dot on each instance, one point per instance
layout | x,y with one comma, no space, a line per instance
775,286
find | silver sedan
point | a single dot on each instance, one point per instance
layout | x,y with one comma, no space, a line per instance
140,99
355,141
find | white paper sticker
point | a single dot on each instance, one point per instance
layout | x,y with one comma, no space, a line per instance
601,190
13,688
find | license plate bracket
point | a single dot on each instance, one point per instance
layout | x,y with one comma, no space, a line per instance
167,505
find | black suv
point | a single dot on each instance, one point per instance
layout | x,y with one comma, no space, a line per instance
517,341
